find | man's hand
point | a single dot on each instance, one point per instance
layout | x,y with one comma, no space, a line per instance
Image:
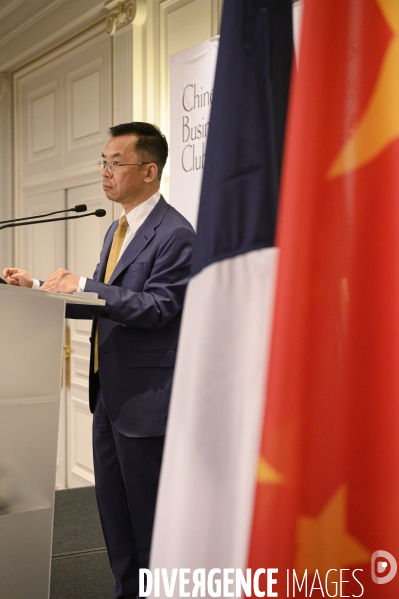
61,281
17,276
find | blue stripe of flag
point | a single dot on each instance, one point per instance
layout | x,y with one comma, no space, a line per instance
239,194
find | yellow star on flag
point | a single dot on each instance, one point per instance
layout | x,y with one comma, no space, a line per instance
380,123
267,474
324,542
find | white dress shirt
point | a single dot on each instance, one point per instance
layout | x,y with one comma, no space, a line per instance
135,219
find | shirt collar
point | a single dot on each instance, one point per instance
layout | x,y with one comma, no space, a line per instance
137,215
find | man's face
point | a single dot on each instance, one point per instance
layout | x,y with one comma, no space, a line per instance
126,185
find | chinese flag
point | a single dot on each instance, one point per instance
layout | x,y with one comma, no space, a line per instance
328,487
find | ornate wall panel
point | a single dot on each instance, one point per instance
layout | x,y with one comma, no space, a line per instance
42,127
64,110
39,110
85,107
88,113
87,72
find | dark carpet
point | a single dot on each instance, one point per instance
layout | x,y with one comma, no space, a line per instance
80,567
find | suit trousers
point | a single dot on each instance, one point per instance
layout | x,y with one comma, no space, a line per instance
127,473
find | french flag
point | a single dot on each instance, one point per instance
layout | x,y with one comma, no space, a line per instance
211,458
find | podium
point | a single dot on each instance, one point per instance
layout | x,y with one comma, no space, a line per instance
31,339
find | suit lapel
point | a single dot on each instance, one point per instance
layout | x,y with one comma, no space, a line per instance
142,238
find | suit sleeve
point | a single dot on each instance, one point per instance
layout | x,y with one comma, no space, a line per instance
163,292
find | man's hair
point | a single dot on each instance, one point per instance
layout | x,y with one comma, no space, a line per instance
151,144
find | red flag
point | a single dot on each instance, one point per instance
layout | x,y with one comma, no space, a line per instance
328,490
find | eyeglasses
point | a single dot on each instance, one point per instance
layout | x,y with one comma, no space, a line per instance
112,167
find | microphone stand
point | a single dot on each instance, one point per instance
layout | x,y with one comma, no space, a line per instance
99,212
78,208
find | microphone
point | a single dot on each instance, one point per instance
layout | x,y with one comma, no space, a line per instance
99,212
78,208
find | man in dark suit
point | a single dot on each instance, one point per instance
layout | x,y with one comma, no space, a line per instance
142,274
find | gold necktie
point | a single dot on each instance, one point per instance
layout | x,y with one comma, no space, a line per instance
117,242
119,237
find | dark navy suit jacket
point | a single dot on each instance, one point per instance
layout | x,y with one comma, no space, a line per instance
138,327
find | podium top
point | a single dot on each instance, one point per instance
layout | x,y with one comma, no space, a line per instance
67,297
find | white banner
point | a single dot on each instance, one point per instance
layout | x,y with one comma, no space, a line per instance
192,73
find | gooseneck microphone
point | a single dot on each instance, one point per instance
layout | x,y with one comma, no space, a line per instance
78,208
99,212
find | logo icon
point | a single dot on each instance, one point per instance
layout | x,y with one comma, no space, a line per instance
383,567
